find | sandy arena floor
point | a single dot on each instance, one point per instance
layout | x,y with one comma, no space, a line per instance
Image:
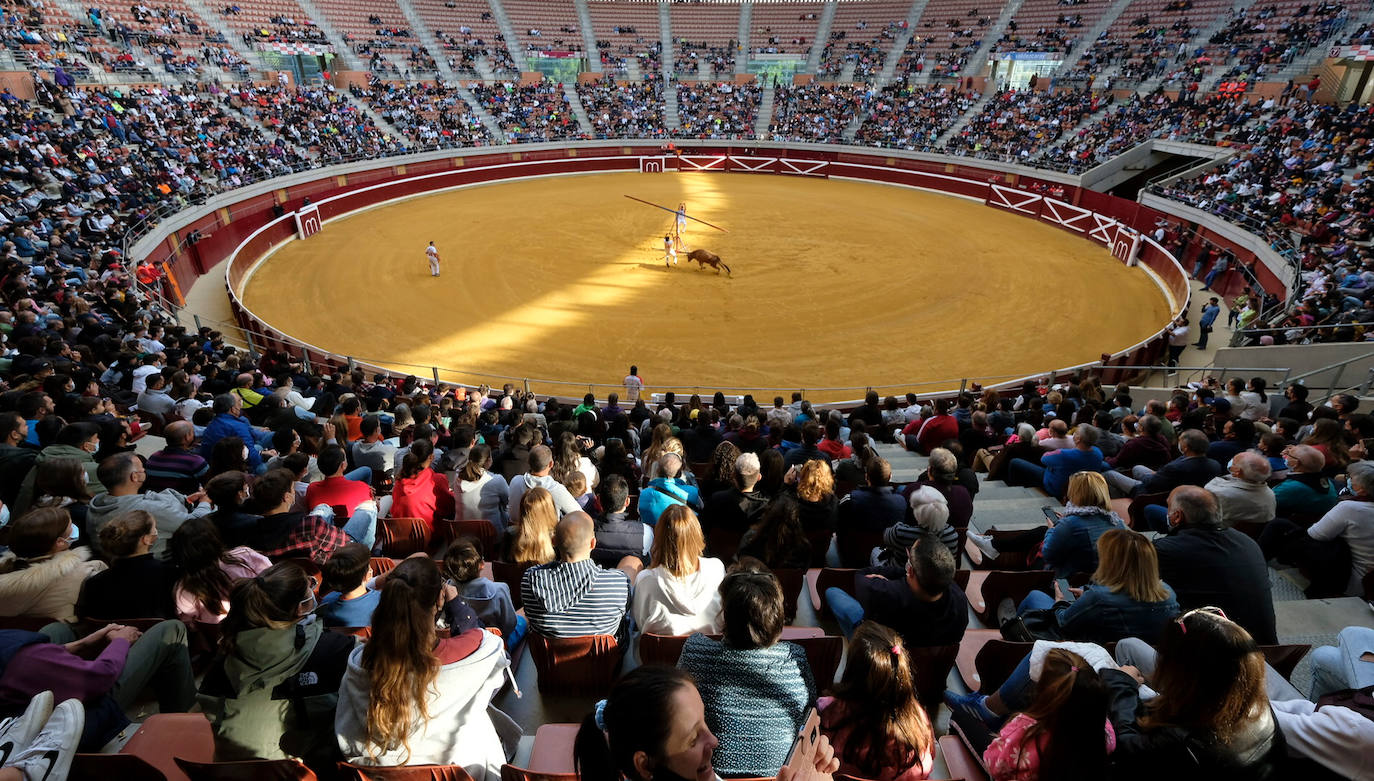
835,284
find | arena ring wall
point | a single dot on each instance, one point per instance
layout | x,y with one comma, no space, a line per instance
243,226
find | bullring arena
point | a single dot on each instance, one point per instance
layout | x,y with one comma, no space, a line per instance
1073,301
566,275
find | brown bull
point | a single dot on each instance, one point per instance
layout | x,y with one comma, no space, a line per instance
704,259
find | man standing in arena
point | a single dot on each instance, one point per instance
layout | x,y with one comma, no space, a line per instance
432,253
633,385
669,251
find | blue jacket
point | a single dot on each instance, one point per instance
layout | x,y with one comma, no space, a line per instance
1070,545
1104,616
1062,464
227,425
664,492
871,509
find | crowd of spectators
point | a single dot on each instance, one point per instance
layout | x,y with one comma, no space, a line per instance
703,59
529,112
717,110
630,110
867,51
615,59
319,119
905,117
1019,124
464,50
429,114
812,112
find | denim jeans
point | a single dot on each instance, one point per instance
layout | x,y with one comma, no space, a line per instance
848,612
362,527
362,474
1025,473
1036,600
1337,667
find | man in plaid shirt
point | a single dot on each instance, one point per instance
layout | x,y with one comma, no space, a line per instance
284,534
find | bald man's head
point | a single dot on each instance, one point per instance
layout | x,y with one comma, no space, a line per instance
1190,505
179,434
575,536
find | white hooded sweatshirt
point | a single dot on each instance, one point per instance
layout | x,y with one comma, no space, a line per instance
460,730
668,605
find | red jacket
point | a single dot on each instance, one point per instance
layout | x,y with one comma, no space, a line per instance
337,490
426,496
935,431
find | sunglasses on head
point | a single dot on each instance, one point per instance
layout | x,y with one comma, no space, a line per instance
1183,619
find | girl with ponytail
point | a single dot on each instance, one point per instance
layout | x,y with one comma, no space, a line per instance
652,727
411,698
271,693
875,720
420,492
1064,734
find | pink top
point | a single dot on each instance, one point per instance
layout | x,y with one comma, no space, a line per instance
1009,759
190,610
831,711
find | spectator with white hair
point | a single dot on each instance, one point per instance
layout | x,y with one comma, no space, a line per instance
1244,493
929,516
1305,488
741,506
1337,551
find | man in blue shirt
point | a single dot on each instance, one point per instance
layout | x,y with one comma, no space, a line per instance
1209,316
1057,467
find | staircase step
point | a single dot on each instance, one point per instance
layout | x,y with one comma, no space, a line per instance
1009,513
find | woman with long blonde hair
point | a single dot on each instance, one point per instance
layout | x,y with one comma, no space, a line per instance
412,698
678,594
663,442
531,540
816,502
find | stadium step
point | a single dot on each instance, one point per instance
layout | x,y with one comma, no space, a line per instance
350,60
498,11
979,59
894,55
427,39
584,20
579,111
765,115
1090,37
813,58
667,57
746,18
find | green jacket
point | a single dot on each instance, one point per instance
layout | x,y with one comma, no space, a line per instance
52,453
275,696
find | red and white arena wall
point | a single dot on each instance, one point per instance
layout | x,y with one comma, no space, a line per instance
242,226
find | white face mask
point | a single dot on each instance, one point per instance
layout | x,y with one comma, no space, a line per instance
4,515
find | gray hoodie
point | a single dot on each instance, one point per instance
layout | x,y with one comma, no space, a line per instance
167,507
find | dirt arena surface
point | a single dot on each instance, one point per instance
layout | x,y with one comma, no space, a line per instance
835,284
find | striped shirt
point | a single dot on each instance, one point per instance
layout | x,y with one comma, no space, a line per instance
574,599
180,470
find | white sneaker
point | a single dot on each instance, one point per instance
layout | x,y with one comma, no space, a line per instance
17,733
984,543
49,756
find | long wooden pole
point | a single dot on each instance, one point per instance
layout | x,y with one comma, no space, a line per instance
674,211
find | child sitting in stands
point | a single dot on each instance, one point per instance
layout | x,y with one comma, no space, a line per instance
576,483
490,600
351,598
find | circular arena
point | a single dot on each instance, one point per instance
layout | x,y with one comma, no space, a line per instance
957,331
568,275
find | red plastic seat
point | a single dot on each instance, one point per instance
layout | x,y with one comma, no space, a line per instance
987,590
351,772
791,581
930,667
256,769
125,767
400,537
484,532
511,575
575,665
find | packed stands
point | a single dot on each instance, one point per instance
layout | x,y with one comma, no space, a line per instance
529,112
812,112
862,33
430,115
912,118
625,110
1021,124
717,110
944,38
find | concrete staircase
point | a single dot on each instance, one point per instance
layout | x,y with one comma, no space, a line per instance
670,116
578,110
967,117
851,131
517,52
765,115
1087,39
584,20
746,25
1146,87
213,18
894,55
813,58
428,40
978,61
350,60
665,41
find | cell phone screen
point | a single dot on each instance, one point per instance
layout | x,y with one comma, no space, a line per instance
802,757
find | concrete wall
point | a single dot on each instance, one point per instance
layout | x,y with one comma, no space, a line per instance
1301,359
